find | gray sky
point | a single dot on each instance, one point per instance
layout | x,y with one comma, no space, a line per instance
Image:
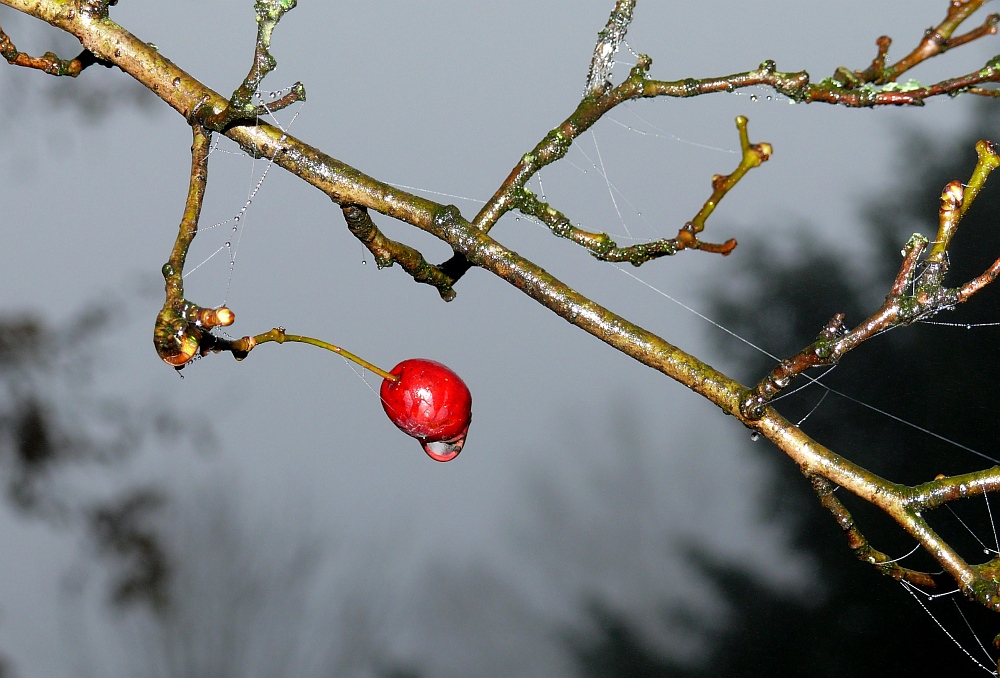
445,96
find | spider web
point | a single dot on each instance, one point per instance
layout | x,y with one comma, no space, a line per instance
595,175
593,168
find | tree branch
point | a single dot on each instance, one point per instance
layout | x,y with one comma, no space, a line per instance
240,107
181,326
603,247
48,62
928,296
387,252
859,544
609,41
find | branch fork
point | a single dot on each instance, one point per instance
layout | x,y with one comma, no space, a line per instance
240,108
917,293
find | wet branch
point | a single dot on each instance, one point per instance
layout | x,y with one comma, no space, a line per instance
603,247
858,543
609,42
847,88
240,107
183,330
936,41
182,327
48,62
387,252
917,293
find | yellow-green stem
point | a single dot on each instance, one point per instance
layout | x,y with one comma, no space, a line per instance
278,335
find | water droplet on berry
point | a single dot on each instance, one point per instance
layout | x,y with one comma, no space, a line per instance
431,403
443,451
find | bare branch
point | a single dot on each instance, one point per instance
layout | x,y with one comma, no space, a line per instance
48,62
859,544
181,327
603,247
387,252
928,296
609,42
240,107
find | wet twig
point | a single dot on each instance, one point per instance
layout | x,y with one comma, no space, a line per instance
387,252
48,62
603,247
917,293
240,107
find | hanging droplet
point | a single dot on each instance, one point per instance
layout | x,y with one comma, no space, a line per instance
176,348
444,451
364,262
753,97
755,436
228,244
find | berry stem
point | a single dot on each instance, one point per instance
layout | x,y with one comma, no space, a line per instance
278,335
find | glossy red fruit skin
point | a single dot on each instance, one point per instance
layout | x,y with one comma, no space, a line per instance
431,403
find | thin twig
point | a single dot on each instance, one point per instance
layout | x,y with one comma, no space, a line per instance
387,252
240,106
609,41
48,62
181,326
858,543
603,247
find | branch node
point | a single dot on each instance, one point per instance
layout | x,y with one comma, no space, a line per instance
240,107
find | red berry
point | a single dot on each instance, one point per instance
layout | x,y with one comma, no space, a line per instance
431,403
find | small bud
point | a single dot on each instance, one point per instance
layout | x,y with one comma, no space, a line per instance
224,317
215,317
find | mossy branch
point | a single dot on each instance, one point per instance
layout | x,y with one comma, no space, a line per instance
603,247
240,107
